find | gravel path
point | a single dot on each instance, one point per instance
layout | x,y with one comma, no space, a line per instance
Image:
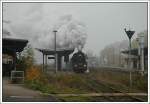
18,93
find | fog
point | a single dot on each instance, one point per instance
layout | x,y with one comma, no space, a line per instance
92,25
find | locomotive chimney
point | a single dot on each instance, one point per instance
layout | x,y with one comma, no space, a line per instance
79,47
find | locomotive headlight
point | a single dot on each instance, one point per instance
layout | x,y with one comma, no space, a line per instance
75,65
84,65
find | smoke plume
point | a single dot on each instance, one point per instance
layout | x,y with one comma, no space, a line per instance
71,33
37,25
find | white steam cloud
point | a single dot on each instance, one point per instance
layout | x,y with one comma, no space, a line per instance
37,26
71,33
37,23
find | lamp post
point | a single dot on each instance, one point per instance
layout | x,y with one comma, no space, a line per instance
139,53
140,40
142,54
129,34
55,31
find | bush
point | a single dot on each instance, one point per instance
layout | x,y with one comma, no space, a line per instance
33,73
35,78
25,60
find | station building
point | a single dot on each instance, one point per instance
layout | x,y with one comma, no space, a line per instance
135,54
10,48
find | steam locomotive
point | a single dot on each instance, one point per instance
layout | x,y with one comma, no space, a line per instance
79,63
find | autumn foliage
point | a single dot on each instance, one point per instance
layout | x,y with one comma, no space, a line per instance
34,73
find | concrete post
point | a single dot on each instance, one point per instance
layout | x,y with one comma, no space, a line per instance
56,68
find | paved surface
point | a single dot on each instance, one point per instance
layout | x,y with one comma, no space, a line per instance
18,93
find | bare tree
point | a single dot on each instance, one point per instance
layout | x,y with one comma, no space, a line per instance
111,54
93,60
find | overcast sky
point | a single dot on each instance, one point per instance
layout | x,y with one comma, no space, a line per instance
104,23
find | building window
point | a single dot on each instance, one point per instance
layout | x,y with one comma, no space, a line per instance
7,59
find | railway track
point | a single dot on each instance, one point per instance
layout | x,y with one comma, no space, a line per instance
131,96
103,88
103,92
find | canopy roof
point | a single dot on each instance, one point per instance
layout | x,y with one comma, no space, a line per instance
11,44
59,51
135,51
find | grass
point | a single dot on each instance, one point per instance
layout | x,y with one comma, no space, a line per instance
72,83
120,80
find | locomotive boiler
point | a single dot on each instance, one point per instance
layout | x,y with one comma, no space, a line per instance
79,63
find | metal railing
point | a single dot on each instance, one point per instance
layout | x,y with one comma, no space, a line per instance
17,75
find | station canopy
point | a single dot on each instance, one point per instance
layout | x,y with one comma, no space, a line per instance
60,53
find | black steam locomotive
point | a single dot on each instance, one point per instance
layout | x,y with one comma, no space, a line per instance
79,64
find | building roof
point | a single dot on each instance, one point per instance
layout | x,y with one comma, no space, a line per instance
59,51
135,51
11,44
